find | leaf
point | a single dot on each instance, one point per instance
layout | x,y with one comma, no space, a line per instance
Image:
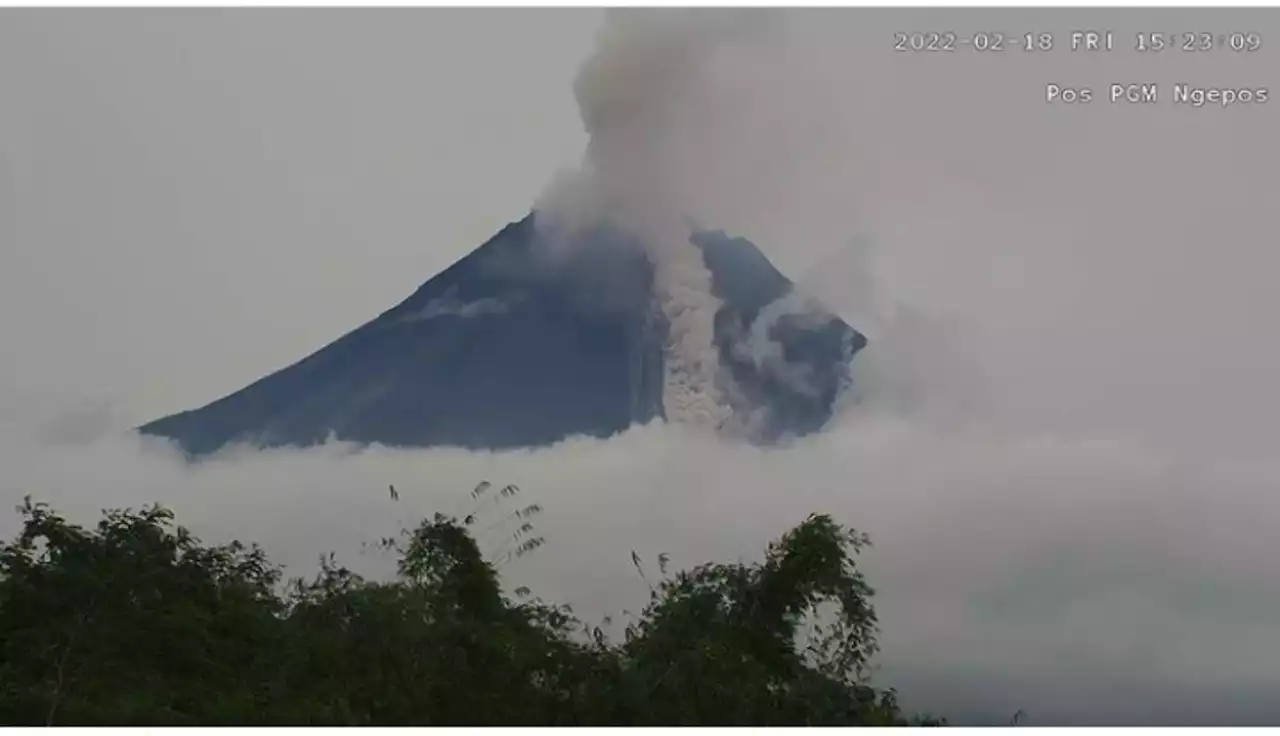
528,546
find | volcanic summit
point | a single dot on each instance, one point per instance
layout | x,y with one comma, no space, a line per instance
539,335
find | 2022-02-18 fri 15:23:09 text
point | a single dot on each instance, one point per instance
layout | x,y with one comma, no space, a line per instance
1075,41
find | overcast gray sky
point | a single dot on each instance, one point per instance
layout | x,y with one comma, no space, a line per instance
198,197
1067,452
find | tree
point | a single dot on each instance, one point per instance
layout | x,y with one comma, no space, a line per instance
131,622
136,622
720,644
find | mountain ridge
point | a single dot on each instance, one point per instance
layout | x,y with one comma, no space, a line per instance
533,337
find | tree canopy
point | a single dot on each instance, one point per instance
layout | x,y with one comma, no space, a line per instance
136,622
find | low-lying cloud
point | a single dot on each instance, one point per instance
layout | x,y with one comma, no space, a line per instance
449,305
1087,579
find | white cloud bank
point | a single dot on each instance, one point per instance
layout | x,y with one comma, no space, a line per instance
1072,578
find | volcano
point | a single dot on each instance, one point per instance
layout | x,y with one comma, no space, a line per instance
535,337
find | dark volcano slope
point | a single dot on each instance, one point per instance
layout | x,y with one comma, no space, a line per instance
511,348
795,390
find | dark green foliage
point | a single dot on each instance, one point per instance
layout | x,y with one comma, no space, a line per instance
135,622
